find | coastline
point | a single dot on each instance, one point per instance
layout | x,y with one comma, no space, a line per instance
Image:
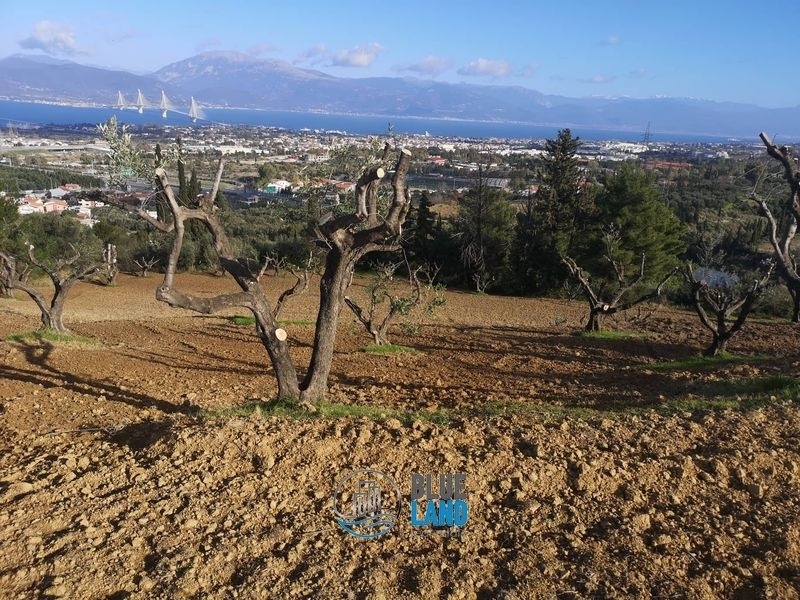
37,113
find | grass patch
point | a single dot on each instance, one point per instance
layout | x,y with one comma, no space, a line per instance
611,335
737,395
48,335
389,349
699,361
779,386
332,410
242,320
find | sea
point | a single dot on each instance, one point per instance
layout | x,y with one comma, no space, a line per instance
28,114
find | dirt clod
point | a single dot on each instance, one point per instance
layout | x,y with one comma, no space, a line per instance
116,482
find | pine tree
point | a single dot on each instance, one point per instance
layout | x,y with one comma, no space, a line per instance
631,204
554,220
485,226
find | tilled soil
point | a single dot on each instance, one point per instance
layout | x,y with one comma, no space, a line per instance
115,482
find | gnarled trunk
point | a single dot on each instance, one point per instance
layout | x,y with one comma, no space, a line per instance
347,241
781,238
52,312
332,288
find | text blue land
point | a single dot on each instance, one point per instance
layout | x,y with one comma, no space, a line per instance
440,513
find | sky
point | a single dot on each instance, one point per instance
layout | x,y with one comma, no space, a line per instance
728,50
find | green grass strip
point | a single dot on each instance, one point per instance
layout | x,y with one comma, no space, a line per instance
389,349
703,362
48,335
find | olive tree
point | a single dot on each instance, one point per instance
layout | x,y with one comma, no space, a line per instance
346,238
621,292
782,237
60,248
723,301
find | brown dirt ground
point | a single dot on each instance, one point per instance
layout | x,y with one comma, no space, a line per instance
111,486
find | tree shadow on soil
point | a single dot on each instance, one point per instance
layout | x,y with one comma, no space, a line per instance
50,377
570,371
545,344
138,436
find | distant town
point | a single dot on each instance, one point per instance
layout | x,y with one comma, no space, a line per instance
442,164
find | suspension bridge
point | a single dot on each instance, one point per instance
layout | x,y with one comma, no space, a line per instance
194,111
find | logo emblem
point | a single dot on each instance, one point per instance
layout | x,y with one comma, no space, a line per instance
366,503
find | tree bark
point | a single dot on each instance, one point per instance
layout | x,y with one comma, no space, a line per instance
718,346
723,303
794,292
595,322
52,312
347,240
782,245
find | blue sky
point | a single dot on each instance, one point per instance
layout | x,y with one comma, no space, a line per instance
725,51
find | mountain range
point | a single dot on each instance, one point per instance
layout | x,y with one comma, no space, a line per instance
229,79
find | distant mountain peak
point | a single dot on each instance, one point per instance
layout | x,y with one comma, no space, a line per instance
218,63
234,79
42,59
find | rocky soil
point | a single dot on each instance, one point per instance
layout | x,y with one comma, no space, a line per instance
583,479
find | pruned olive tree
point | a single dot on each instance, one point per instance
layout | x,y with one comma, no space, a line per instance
623,291
781,236
63,273
347,238
728,300
388,299
56,246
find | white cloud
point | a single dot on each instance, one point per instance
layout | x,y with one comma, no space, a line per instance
53,38
637,73
599,79
313,55
360,56
262,49
484,67
430,65
611,40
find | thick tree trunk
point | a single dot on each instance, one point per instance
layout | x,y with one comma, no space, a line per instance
332,288
595,322
57,305
718,346
794,292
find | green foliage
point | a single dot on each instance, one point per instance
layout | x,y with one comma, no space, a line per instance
611,335
421,245
554,221
485,228
432,242
50,336
15,179
55,237
775,302
698,361
242,320
9,217
333,410
630,203
740,394
133,237
389,349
